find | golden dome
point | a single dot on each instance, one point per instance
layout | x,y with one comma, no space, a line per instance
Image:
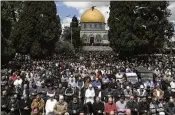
92,16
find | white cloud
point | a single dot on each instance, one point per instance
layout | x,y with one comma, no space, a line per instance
77,5
83,6
81,11
172,8
66,22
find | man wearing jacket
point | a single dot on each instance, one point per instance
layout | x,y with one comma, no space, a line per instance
37,106
170,107
4,101
61,107
25,105
132,105
69,92
98,107
143,106
13,106
96,83
74,107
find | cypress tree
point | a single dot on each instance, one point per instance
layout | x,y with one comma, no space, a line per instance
7,50
37,30
138,27
75,32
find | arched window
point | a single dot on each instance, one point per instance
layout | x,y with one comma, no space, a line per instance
105,37
85,38
98,38
93,25
84,25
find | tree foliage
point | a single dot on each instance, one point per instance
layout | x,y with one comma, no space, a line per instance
67,34
77,43
139,26
11,10
9,16
74,25
37,30
64,47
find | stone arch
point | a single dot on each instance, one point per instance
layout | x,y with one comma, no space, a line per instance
98,38
85,38
91,35
91,39
85,25
105,37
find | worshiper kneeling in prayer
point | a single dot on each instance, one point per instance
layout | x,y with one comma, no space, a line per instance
121,107
13,106
143,107
37,106
69,92
61,107
132,106
98,107
50,103
89,94
110,107
87,108
170,107
4,101
74,107
25,105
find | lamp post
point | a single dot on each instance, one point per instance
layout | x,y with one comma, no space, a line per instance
71,31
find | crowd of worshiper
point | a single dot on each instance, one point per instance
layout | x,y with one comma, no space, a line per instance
91,83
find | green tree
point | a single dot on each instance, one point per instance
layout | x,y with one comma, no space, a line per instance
67,34
139,26
76,41
64,47
75,28
59,24
38,25
11,10
7,50
9,16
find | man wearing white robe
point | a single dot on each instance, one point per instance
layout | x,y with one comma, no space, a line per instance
18,82
89,94
50,103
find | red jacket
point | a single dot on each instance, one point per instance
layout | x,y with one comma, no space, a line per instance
14,77
110,107
98,76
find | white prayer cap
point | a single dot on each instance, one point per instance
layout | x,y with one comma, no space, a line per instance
51,95
99,87
90,85
61,97
141,87
127,87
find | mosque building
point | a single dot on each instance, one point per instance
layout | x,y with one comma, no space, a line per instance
93,33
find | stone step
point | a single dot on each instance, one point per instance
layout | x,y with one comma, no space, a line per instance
97,48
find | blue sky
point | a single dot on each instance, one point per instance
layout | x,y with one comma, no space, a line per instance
77,8
64,10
